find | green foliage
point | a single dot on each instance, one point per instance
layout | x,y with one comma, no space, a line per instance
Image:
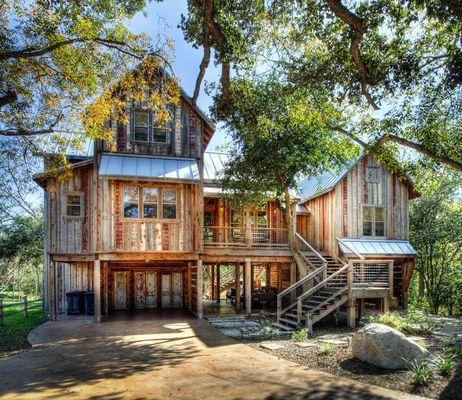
414,322
326,349
422,372
300,335
443,365
436,234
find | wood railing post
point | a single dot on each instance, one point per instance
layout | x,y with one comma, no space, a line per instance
279,307
350,279
25,306
299,312
390,278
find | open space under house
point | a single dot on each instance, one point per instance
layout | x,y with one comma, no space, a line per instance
146,228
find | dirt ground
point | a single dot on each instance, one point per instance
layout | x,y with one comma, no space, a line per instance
161,357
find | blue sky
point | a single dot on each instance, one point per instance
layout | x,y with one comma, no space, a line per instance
163,18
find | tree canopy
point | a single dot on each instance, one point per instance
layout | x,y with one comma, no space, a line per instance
391,67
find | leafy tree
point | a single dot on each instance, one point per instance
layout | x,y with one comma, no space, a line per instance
399,57
436,234
21,254
278,133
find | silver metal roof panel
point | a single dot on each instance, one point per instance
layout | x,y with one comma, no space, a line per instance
155,168
374,247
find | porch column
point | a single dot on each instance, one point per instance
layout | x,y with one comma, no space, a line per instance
293,273
189,283
200,313
238,286
97,289
218,284
248,286
212,282
52,295
351,313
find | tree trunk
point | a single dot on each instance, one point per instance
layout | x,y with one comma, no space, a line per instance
421,285
290,222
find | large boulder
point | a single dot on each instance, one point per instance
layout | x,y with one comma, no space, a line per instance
385,347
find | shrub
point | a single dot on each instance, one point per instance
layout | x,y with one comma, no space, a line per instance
422,372
453,351
327,349
415,322
300,335
444,365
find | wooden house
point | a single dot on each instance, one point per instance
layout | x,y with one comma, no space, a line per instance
143,225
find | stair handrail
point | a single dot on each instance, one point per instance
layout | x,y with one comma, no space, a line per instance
294,287
299,237
340,241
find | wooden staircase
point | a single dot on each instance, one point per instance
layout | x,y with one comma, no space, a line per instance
315,296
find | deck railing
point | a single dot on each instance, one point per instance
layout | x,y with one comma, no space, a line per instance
241,236
373,274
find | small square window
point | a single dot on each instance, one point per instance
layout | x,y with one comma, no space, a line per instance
74,206
372,174
131,202
169,203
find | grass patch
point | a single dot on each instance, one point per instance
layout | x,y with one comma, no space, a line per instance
300,335
327,349
422,372
414,322
13,333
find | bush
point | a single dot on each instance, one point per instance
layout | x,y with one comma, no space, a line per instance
422,372
327,349
415,322
443,365
453,351
300,335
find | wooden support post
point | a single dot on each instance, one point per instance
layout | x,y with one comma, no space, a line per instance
212,281
189,284
238,287
218,284
248,289
362,307
106,288
268,276
293,273
97,289
52,276
200,272
385,304
351,313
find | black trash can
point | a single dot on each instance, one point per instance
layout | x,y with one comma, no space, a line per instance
75,303
89,303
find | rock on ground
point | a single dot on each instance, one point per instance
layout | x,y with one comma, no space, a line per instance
385,347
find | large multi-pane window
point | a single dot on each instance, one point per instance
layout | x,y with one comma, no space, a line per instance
149,202
145,203
131,202
147,129
169,203
373,221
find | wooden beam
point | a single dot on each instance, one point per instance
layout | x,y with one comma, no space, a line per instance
199,279
248,288
218,284
149,256
97,289
189,284
212,282
52,283
238,287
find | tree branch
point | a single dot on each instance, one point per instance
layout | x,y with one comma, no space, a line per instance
349,134
8,98
357,31
27,132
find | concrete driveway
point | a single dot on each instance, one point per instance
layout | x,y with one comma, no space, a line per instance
165,357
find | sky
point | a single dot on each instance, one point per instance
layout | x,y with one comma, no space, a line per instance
163,18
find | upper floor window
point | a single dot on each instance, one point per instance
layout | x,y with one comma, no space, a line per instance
131,202
373,221
169,203
74,205
372,175
141,126
149,203
147,129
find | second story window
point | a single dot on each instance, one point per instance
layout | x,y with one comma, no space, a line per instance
373,221
141,126
74,205
149,203
169,203
131,202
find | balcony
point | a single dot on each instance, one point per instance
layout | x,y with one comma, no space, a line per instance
241,237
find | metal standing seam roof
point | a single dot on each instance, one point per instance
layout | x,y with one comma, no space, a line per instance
163,168
214,163
378,246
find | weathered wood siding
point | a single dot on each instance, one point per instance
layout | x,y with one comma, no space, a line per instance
119,234
338,213
69,234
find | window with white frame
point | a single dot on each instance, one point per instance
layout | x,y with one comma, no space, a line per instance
169,203
74,205
141,126
150,202
131,202
373,221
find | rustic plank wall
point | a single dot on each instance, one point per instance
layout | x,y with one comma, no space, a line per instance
338,213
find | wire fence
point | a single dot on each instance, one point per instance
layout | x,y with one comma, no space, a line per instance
24,307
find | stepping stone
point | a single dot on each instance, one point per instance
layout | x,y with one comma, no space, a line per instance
333,341
305,345
272,346
233,324
234,333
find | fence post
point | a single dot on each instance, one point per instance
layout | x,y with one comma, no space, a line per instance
25,306
1,312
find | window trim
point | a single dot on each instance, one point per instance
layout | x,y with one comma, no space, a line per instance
82,211
373,221
367,174
168,203
152,125
134,139
141,199
123,202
